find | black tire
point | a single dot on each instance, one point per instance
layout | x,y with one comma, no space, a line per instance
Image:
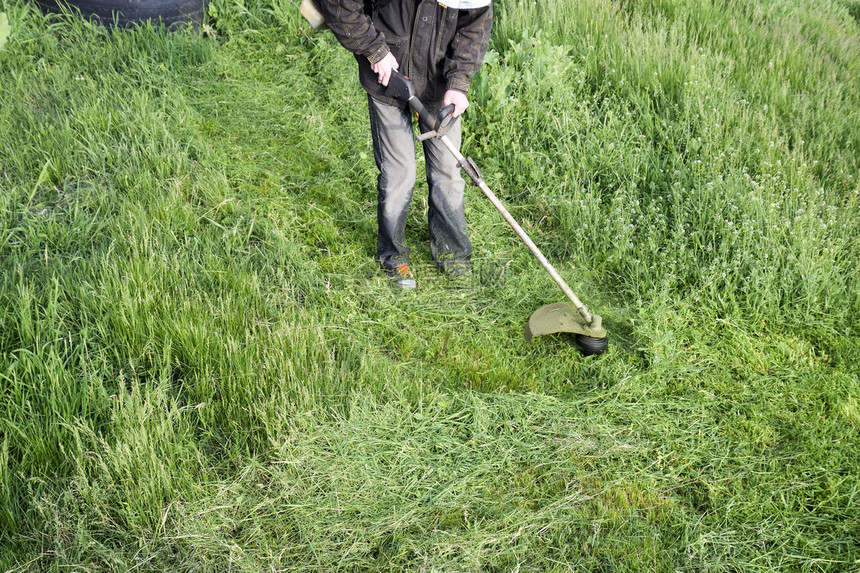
128,12
591,346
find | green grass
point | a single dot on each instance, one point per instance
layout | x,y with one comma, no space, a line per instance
202,368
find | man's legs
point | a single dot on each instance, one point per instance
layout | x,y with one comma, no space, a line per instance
394,153
449,234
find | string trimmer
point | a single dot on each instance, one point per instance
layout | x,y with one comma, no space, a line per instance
573,316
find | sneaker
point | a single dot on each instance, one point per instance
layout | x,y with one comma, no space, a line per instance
402,277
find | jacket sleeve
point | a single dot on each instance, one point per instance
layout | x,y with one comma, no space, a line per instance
353,28
468,47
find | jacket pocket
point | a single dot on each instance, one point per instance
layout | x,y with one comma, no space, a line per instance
398,46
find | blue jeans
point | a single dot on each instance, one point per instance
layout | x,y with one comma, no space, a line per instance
394,153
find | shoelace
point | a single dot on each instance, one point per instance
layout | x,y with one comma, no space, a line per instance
403,271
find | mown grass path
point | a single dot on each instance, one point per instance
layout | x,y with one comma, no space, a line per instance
201,367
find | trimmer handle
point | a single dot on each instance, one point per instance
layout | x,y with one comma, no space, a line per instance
445,119
400,87
440,125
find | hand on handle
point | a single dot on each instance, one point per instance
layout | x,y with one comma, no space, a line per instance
383,68
458,100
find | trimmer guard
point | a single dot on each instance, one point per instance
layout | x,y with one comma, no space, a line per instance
562,317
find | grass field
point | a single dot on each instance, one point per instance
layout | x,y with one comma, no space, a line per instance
202,368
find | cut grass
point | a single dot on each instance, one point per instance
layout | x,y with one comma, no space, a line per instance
201,367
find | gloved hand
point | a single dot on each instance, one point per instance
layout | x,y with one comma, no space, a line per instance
383,68
458,99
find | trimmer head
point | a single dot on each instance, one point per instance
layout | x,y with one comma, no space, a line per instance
564,317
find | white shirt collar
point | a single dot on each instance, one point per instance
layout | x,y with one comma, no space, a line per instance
465,4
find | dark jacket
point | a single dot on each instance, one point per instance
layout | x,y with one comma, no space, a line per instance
437,47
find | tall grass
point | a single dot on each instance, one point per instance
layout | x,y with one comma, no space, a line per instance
201,367
659,119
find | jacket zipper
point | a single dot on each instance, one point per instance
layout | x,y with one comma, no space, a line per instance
408,72
415,21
